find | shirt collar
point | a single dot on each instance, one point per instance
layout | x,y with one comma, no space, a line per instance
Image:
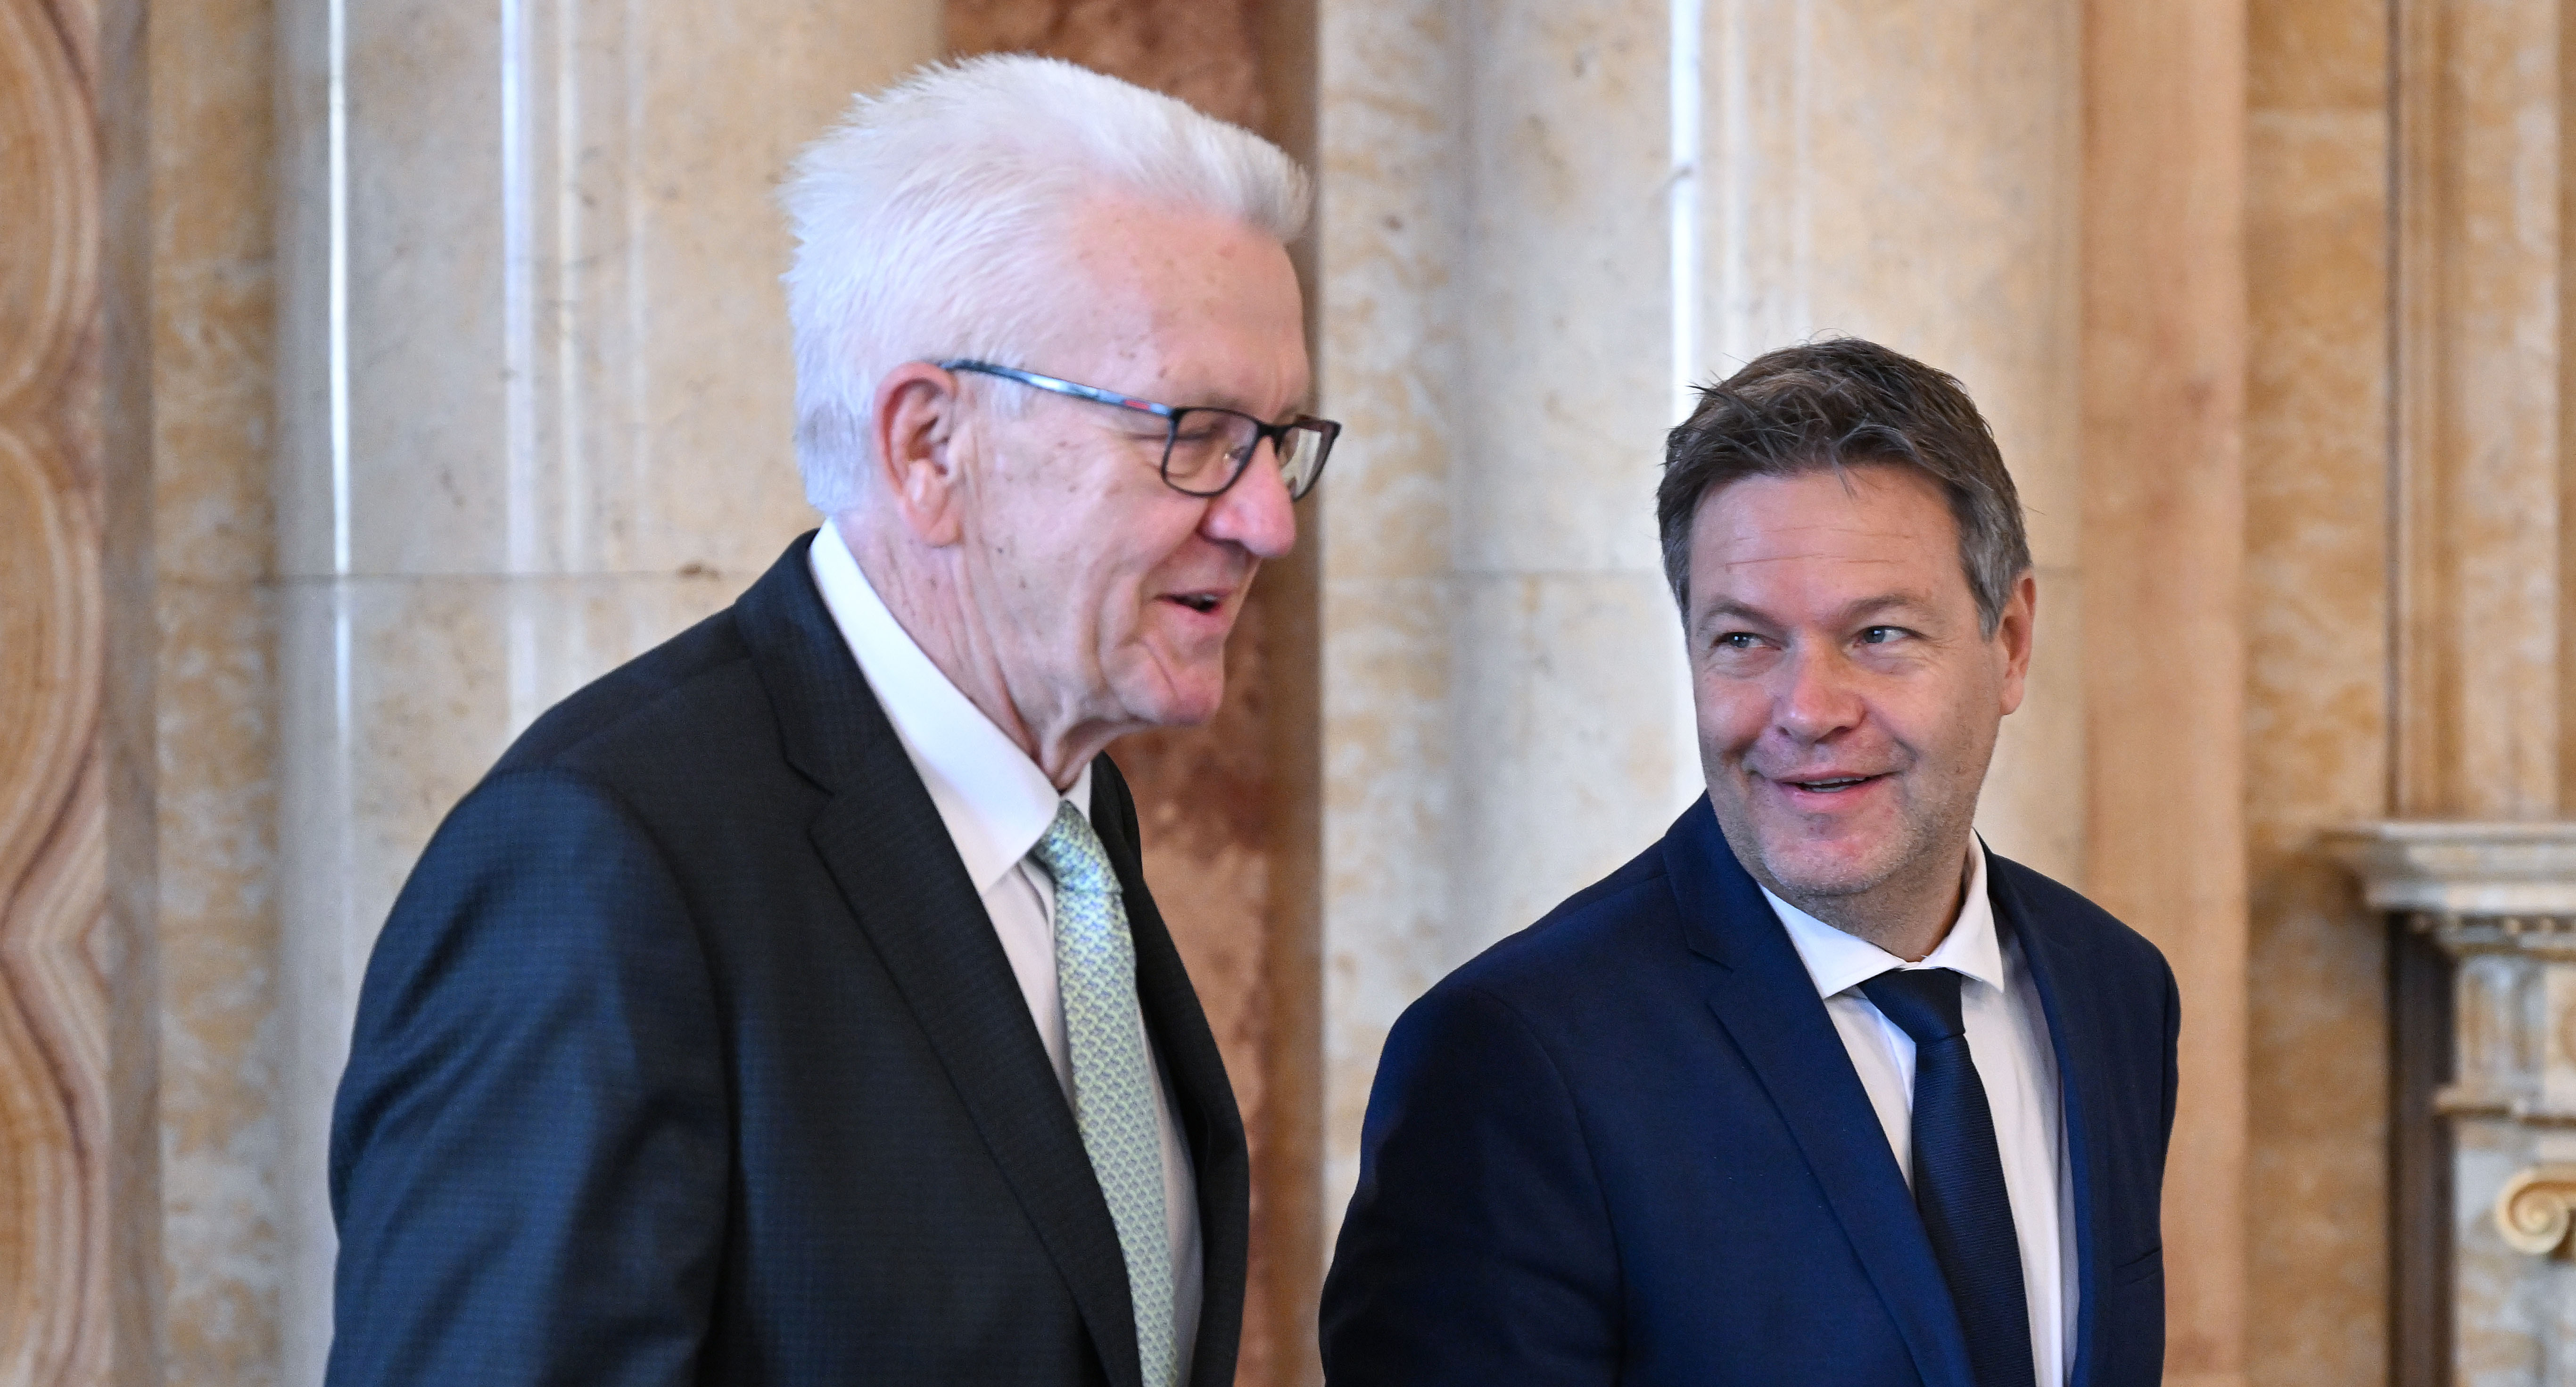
1839,962
994,801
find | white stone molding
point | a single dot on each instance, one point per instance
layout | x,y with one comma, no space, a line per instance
2500,899
2508,878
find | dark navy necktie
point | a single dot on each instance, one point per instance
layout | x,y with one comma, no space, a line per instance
1959,1175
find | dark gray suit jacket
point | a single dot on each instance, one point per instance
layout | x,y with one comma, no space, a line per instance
689,1055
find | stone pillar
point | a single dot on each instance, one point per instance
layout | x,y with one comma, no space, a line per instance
2316,634
2164,538
221,1038
2480,648
534,410
1505,714
79,1251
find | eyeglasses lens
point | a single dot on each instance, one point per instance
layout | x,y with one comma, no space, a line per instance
1207,446
1300,452
1210,446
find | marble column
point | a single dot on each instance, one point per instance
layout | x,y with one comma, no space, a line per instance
221,1033
78,1140
2316,720
1504,713
2164,536
533,414
2480,658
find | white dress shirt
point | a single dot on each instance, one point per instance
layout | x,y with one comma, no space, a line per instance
996,805
2008,1039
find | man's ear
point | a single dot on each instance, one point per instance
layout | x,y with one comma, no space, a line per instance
2015,632
915,428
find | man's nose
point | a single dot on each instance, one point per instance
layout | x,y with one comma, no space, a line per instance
1255,512
1819,696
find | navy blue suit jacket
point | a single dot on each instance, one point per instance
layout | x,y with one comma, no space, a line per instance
689,1055
1627,1146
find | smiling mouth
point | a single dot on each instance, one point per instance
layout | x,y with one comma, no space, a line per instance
1830,786
1200,602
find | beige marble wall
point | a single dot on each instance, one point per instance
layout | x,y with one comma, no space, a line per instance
220,1032
1392,241
2164,358
1504,710
2316,603
2479,256
533,407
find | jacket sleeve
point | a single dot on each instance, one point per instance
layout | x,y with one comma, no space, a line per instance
1478,1247
529,1152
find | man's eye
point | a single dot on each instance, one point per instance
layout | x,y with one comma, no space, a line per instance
1881,635
1738,640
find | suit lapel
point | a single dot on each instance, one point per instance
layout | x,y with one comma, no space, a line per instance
884,843
2080,1101
1764,997
1220,1159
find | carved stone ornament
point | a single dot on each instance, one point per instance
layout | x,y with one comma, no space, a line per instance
57,1304
2536,1207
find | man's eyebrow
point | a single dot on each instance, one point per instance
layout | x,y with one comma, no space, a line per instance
1733,610
1869,606
1849,612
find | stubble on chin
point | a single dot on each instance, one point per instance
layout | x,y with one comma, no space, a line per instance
1815,875
1800,873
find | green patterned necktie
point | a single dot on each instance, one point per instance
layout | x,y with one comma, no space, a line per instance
1113,1078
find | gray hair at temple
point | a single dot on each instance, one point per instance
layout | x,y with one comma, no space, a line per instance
1836,403
927,225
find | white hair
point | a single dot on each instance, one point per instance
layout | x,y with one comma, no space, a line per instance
927,224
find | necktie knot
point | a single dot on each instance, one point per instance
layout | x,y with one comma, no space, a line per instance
1072,854
1923,1002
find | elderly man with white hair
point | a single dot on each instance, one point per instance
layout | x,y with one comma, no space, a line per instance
788,1006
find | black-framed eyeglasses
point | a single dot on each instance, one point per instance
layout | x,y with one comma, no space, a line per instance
1205,449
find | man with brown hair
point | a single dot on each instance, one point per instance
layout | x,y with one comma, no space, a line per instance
1816,1089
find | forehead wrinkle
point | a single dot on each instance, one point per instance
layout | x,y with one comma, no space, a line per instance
1745,527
